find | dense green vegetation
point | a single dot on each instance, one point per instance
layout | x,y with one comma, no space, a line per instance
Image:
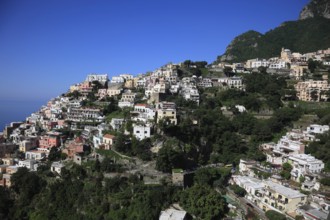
83,192
217,137
204,202
274,215
302,36
238,190
286,169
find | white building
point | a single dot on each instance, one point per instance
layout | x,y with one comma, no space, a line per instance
269,195
127,99
172,214
190,93
240,108
35,155
98,140
280,64
304,164
143,112
258,63
84,114
126,76
102,78
117,79
116,123
285,147
30,164
57,167
142,131
123,104
317,129
232,82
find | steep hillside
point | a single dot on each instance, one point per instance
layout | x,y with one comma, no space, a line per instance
308,34
316,8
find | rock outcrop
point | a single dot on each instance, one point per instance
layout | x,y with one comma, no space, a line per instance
316,8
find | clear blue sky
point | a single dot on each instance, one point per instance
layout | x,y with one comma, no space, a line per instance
47,45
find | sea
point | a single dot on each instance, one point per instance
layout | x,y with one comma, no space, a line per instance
17,110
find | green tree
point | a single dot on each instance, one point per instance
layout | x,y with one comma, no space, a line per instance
206,176
238,190
26,185
54,154
168,158
6,202
203,202
325,181
286,169
274,215
312,65
314,95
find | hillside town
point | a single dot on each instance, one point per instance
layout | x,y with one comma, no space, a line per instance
98,117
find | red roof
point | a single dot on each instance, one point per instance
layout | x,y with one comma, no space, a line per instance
109,136
141,105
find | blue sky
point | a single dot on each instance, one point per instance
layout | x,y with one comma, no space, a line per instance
45,46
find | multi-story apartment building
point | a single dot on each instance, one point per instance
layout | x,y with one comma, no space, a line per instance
304,164
312,90
28,144
269,195
108,141
117,79
51,139
35,155
102,78
116,123
317,129
258,63
143,112
142,131
280,197
169,114
127,99
190,93
84,114
279,64
232,82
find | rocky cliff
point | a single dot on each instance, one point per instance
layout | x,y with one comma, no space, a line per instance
316,8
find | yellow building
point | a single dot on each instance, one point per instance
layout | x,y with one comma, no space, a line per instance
312,90
280,197
167,114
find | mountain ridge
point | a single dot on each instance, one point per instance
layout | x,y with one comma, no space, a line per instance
310,33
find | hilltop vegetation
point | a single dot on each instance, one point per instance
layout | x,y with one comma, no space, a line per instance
303,36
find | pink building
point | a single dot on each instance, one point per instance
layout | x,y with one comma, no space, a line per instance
76,146
51,139
108,141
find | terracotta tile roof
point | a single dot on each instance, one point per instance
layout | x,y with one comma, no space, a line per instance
108,136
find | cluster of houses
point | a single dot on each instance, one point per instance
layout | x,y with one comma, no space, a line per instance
144,96
50,127
294,65
272,192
